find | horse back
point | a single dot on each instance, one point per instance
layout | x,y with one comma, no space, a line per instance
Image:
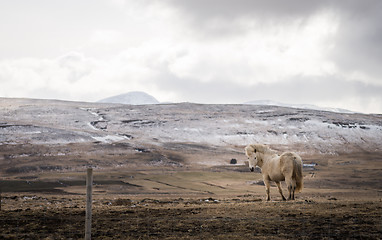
289,161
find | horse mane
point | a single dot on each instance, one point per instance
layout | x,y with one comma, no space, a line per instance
263,148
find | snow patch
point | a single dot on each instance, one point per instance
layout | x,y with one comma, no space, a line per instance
110,138
299,106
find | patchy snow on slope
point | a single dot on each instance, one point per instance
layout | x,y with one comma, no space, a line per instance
110,138
206,125
301,106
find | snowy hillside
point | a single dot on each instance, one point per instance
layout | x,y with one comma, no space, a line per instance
174,133
302,106
132,98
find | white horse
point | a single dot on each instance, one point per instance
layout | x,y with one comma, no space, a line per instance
286,167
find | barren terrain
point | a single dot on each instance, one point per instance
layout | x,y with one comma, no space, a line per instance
165,172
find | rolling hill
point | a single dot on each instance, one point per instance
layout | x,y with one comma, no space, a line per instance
47,134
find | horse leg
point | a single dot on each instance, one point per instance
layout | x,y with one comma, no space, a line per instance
280,190
267,187
289,184
291,188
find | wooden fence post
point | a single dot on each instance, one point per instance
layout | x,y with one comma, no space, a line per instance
88,220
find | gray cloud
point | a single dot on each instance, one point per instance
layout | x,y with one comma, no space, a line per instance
329,90
357,43
355,48
207,51
316,89
221,18
206,10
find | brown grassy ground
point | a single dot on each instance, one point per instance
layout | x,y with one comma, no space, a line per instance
53,217
342,199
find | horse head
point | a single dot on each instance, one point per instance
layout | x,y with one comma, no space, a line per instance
250,151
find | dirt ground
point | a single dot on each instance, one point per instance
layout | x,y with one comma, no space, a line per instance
341,199
245,217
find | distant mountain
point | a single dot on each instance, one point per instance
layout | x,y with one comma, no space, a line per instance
303,106
133,98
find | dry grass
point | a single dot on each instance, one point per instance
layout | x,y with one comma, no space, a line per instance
342,199
247,217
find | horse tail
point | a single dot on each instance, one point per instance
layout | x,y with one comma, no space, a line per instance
297,172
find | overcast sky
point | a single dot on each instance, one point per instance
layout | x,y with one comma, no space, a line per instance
327,53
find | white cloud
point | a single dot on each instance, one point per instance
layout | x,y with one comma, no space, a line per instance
262,54
201,51
46,78
104,36
76,77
